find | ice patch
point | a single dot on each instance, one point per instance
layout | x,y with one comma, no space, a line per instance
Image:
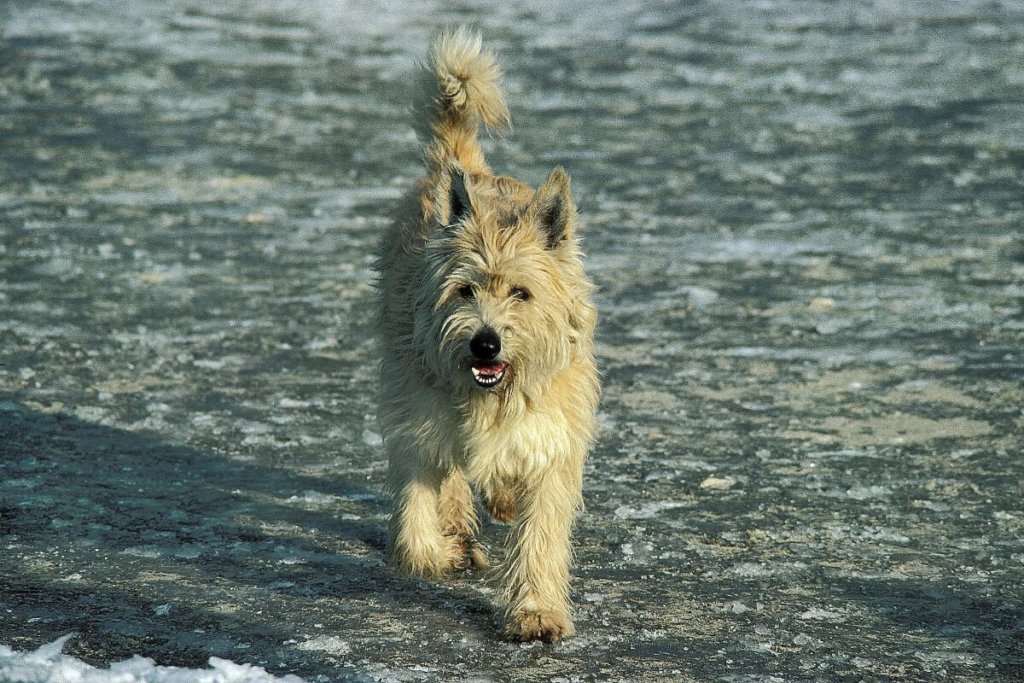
718,483
647,511
638,553
868,492
332,645
946,658
818,614
750,570
700,297
314,498
372,438
321,344
47,665
294,403
738,607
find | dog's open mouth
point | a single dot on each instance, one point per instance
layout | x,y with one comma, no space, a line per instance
488,375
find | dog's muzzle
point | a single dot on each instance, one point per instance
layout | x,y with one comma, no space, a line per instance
487,370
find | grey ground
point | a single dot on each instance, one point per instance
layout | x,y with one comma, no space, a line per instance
805,222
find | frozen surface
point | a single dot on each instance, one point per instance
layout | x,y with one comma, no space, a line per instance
805,222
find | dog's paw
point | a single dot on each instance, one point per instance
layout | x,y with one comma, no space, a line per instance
502,506
426,560
422,566
544,625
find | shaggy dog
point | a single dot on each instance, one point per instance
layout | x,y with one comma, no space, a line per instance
488,376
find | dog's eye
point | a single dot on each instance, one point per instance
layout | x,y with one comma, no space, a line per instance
520,293
466,292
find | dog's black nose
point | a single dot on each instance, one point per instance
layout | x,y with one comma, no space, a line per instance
485,345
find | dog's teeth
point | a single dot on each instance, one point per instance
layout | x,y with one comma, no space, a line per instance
487,380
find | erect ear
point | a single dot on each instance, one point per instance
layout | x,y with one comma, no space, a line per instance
452,203
553,210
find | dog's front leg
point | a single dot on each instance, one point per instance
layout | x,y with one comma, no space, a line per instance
459,520
535,581
418,543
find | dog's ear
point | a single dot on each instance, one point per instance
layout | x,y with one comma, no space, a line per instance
453,203
553,210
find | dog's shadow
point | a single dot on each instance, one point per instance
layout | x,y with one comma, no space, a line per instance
141,546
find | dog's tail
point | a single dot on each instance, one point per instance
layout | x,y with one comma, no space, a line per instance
460,90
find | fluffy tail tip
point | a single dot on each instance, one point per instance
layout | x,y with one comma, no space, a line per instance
468,79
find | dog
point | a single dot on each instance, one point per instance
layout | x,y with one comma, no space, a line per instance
488,376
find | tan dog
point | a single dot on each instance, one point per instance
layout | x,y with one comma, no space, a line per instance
488,375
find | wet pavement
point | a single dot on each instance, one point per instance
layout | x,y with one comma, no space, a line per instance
805,220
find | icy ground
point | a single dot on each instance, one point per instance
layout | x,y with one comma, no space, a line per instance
805,219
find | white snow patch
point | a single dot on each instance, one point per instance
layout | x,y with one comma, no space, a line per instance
868,492
738,607
700,297
818,614
332,645
314,498
294,403
253,427
47,664
321,344
718,483
968,658
750,570
372,438
648,510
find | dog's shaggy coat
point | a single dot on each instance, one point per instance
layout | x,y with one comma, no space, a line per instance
488,375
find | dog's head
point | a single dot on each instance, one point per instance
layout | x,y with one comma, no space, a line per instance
504,301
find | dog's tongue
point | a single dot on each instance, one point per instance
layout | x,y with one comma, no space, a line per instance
490,369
